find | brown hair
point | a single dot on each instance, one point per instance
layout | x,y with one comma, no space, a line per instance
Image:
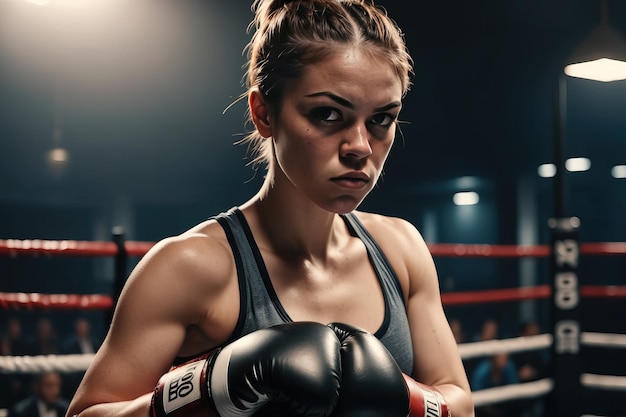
289,35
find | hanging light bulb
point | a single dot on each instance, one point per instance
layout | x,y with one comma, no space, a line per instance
601,56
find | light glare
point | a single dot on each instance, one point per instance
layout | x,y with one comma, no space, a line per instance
577,164
546,170
603,69
618,171
465,198
58,156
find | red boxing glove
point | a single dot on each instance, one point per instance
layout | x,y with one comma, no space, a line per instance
424,400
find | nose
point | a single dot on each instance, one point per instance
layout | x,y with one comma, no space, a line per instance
356,144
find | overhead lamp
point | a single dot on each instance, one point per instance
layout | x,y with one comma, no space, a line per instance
546,170
465,198
601,56
58,156
618,171
577,164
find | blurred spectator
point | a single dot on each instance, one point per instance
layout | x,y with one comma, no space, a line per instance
46,400
81,341
13,341
13,387
531,365
498,370
457,330
494,371
46,341
488,331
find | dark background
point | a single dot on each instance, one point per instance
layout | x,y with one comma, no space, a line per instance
136,92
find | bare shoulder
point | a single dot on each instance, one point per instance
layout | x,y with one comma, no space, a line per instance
393,232
404,246
196,262
175,286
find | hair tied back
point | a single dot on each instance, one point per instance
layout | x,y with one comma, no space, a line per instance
268,7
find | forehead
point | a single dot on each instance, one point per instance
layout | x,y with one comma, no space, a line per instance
354,73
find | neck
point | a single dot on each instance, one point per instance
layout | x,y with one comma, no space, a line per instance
291,225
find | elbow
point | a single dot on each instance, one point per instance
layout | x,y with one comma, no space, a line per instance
465,405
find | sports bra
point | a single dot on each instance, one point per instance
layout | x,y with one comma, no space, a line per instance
261,308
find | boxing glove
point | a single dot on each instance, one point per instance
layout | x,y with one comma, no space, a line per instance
293,369
373,385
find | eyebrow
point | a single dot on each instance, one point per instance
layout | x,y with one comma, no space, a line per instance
342,101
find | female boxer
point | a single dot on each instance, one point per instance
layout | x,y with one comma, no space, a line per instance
325,79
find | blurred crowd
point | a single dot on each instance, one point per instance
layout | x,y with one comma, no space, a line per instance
44,394
504,369
47,394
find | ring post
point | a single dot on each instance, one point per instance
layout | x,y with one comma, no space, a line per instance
121,263
565,398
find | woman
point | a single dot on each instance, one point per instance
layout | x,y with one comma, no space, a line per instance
325,79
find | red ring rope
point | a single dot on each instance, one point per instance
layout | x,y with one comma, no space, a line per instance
94,302
14,247
54,301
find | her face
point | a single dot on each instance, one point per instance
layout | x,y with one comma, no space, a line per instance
335,128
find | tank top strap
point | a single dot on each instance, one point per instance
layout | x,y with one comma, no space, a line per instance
376,255
259,305
395,332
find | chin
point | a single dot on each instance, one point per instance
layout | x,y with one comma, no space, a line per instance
344,206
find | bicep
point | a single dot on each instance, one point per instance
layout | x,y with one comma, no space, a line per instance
437,360
148,328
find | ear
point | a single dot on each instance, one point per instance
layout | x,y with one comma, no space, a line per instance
260,112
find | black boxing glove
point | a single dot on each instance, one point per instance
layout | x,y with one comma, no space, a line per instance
294,368
373,385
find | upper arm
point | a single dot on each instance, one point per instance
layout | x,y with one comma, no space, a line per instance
167,292
437,360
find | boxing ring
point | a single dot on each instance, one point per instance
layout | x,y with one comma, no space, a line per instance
546,391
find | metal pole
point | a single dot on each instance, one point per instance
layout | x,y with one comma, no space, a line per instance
560,102
121,264
565,398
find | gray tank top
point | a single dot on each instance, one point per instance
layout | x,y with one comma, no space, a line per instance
260,307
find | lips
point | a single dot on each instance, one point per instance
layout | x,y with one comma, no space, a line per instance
352,180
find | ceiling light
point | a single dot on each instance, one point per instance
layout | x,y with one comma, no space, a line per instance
465,198
58,156
546,170
601,56
577,164
618,171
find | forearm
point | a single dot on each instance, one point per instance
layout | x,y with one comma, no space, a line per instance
445,400
459,400
139,407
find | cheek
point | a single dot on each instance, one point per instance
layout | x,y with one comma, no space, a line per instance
382,150
294,149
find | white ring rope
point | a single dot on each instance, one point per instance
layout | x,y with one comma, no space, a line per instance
605,382
604,339
504,393
542,341
71,363
512,345
542,387
40,363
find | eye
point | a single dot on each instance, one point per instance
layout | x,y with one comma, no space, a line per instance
327,114
382,119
